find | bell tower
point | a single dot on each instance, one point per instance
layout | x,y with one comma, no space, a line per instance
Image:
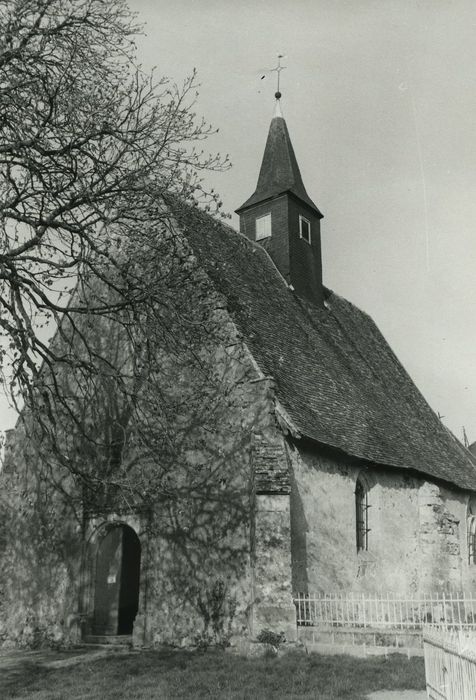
281,216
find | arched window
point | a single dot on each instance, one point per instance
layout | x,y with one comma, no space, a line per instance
471,530
362,514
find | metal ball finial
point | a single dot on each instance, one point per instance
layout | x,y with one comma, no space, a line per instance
277,95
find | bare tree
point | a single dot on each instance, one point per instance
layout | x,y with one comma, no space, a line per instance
97,164
140,400
90,150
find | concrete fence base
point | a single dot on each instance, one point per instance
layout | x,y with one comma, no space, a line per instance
361,642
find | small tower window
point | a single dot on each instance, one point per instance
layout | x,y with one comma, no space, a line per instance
304,229
263,227
362,515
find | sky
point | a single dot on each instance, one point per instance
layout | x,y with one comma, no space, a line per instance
380,102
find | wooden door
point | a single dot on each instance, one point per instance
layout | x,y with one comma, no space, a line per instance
108,582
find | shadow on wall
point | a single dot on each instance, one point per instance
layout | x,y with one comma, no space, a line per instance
299,531
184,579
172,454
180,575
160,433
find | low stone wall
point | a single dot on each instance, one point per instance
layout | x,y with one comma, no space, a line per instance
361,642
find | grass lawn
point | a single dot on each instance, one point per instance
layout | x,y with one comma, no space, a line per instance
192,675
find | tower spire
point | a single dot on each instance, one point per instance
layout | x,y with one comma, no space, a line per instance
281,215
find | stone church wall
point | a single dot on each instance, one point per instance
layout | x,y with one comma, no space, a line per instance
417,529
40,557
198,575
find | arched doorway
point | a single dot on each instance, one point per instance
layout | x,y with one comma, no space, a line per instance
116,591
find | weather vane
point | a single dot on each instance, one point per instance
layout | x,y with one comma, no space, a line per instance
278,70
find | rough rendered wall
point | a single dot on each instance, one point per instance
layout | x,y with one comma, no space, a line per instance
417,538
40,555
196,537
208,540
274,609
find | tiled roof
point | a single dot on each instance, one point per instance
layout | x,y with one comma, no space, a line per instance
279,171
335,374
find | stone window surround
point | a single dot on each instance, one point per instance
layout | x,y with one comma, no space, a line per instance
471,530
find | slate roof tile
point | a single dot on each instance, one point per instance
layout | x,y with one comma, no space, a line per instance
335,373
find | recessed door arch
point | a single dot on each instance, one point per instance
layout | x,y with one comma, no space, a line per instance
117,581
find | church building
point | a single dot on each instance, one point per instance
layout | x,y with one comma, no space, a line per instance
380,488
340,475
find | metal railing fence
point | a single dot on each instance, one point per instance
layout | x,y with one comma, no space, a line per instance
387,610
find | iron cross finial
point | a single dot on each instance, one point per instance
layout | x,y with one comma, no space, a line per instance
278,70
